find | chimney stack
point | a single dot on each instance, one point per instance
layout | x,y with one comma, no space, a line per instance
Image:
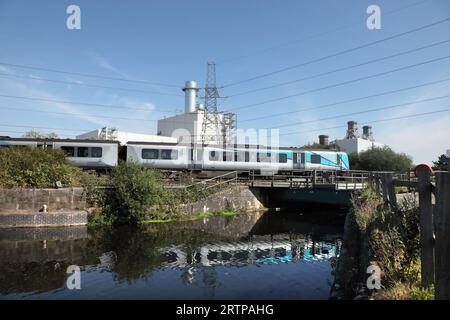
352,130
324,140
367,133
190,91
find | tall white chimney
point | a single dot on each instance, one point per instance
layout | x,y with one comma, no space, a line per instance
190,92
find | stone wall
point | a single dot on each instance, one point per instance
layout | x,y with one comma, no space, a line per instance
74,218
237,197
31,200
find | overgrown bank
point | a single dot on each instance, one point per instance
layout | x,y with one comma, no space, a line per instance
128,194
376,235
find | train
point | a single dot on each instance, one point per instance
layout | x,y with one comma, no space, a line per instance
105,154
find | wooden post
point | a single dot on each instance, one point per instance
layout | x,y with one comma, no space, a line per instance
384,187
442,215
391,191
426,228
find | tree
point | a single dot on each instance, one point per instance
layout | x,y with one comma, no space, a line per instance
380,159
441,164
39,135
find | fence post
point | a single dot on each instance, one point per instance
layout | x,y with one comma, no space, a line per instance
426,228
384,187
442,248
391,191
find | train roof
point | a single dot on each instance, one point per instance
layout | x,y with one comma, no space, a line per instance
59,140
243,146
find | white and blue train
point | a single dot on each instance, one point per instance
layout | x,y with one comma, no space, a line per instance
103,154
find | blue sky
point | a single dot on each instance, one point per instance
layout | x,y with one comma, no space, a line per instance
170,42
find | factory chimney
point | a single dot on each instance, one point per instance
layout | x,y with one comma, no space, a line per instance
190,91
367,133
324,140
352,130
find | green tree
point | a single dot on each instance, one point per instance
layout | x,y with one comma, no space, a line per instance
135,191
39,135
441,164
380,159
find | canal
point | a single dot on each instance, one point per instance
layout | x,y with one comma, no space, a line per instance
271,255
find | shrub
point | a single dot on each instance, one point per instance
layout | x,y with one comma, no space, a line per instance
26,167
135,191
380,159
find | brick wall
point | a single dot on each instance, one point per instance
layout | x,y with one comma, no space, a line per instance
43,219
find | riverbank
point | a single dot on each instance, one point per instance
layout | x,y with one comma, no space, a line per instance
376,236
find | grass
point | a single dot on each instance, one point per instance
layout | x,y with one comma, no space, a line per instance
197,216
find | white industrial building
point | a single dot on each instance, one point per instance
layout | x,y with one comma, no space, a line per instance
196,125
123,137
353,143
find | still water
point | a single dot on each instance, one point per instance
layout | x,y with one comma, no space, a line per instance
279,255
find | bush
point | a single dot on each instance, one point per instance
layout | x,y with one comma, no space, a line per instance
26,167
393,236
136,191
380,159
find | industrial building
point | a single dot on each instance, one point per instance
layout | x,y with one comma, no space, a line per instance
354,143
107,133
197,124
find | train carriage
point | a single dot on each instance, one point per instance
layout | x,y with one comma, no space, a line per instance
89,154
103,154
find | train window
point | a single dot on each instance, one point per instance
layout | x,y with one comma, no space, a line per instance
263,157
302,158
82,152
316,158
339,160
150,154
213,156
70,151
96,152
239,156
228,156
169,154
282,158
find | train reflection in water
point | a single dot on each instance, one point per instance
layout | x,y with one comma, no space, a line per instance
259,250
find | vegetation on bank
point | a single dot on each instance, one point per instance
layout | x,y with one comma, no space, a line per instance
25,167
129,194
380,159
137,195
393,244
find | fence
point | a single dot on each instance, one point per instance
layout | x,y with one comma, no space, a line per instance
434,221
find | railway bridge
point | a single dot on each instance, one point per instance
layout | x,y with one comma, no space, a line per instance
284,189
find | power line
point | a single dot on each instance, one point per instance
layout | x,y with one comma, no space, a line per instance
362,112
296,132
89,75
338,53
23,132
46,128
371,122
79,103
345,101
340,83
340,69
86,84
313,36
77,114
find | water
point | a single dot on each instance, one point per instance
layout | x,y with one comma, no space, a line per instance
281,255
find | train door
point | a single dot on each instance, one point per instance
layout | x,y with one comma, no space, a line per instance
196,161
299,160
